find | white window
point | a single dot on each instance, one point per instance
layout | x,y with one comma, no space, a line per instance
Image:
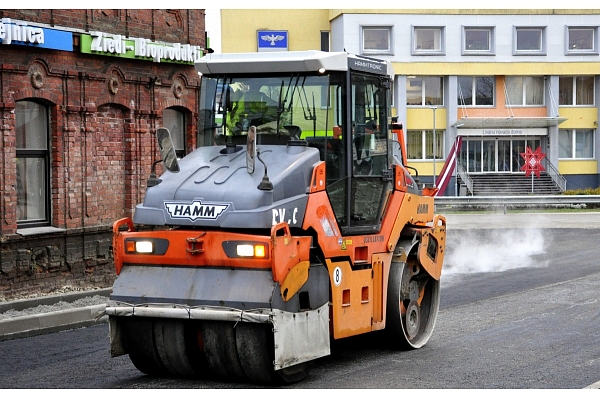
576,90
478,41
420,144
476,90
376,40
33,164
428,40
529,41
424,91
576,143
525,91
582,40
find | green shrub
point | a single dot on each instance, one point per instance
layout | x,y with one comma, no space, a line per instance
579,192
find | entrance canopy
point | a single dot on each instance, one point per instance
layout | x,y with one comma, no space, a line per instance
508,122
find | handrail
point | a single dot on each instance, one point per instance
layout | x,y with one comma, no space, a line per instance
464,177
491,200
552,171
512,200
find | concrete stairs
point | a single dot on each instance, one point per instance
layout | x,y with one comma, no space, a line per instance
512,185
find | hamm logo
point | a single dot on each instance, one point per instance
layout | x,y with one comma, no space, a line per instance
195,210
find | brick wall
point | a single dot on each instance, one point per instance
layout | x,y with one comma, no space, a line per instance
177,26
104,112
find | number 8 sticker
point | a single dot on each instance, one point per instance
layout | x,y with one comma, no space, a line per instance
337,276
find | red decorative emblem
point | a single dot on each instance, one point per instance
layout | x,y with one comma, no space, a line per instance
533,161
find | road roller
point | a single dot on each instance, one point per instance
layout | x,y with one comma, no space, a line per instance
295,222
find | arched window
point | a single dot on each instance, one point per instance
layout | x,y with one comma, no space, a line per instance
33,164
174,121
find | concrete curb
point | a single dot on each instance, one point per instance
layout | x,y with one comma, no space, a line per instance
55,321
50,322
69,297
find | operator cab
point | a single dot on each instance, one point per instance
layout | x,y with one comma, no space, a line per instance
336,103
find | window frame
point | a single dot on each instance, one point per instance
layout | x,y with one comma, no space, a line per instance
423,85
37,154
573,133
388,51
424,52
325,38
440,136
523,99
529,52
474,90
574,91
491,51
574,52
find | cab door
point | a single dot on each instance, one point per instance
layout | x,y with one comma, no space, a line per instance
369,181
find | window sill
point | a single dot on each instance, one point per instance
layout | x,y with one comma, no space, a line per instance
376,53
581,53
529,53
468,53
417,53
41,230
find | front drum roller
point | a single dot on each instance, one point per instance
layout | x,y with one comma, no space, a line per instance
412,305
163,347
257,351
245,351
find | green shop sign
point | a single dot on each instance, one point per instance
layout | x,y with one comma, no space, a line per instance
107,44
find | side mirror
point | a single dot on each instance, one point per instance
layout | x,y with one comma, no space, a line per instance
167,150
251,149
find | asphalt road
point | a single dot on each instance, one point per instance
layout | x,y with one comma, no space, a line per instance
520,308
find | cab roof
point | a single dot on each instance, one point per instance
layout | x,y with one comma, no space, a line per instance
288,61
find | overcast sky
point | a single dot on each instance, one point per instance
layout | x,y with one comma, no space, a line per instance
213,27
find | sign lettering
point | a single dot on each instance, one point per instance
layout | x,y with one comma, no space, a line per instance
195,210
139,48
423,209
279,216
20,32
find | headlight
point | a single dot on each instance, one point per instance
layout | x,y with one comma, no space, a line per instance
237,249
146,246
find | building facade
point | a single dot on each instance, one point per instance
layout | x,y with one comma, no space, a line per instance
502,84
81,95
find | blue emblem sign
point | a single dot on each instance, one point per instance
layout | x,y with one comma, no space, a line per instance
272,40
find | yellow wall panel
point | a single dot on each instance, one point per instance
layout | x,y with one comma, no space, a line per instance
425,168
422,118
239,27
576,167
579,117
489,69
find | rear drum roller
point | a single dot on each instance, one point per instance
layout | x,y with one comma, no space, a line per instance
220,349
141,345
255,345
170,340
412,305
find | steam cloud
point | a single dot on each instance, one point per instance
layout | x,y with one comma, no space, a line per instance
485,251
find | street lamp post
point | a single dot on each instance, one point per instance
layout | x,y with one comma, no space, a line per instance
434,145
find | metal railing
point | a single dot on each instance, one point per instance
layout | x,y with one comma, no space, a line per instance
515,200
464,177
551,170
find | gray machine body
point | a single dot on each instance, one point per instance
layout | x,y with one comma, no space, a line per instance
214,189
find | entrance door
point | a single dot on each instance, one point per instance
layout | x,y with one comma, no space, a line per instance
488,162
472,152
504,158
495,155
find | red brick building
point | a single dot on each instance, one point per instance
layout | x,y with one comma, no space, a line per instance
81,95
